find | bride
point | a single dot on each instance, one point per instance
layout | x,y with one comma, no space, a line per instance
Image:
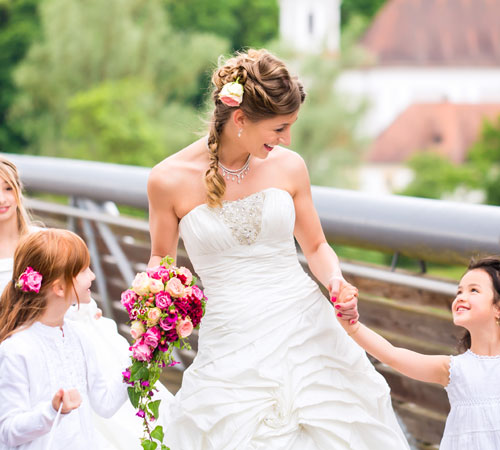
274,369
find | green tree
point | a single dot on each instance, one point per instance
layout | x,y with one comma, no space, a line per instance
67,78
245,23
365,8
436,176
484,156
19,27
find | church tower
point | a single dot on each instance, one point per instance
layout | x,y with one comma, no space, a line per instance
311,25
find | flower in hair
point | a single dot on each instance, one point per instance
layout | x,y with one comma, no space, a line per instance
231,94
30,280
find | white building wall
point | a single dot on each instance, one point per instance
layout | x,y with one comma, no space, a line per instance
311,25
391,90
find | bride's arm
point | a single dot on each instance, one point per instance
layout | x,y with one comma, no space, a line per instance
163,222
321,258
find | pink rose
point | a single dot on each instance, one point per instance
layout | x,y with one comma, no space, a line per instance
141,283
30,280
128,299
152,337
185,275
141,351
155,286
154,315
163,300
137,329
175,287
184,327
169,322
159,273
197,293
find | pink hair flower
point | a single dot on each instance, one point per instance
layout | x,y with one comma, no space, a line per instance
30,280
231,94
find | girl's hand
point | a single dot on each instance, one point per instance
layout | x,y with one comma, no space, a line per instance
70,400
335,285
347,305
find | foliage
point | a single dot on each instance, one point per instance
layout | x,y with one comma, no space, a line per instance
484,156
435,176
250,23
364,8
96,59
19,27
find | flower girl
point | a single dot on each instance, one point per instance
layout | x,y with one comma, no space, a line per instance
49,374
471,379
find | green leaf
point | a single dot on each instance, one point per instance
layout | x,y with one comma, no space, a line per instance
133,396
136,367
157,433
149,445
141,374
153,407
164,447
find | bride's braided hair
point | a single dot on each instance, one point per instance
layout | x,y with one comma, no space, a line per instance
269,90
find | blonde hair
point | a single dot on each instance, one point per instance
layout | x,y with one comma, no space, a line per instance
9,173
56,255
269,90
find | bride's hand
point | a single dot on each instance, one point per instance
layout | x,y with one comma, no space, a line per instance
347,305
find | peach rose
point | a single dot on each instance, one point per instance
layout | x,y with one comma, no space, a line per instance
184,327
155,286
141,283
175,287
137,329
154,315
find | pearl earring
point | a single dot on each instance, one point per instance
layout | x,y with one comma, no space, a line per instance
239,132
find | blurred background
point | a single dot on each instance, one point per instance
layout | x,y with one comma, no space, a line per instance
403,98
403,95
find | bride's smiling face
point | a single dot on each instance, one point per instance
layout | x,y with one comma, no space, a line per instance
260,138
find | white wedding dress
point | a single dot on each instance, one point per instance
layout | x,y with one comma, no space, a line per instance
274,369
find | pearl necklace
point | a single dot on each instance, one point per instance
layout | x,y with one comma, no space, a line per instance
238,174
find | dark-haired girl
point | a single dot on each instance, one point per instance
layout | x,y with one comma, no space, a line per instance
471,379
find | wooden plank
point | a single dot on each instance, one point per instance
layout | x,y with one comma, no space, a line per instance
422,323
404,389
425,425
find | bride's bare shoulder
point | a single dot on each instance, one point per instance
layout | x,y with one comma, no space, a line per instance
183,168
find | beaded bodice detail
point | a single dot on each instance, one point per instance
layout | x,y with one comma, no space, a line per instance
243,217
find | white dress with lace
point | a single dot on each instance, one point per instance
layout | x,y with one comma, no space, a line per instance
274,369
34,364
474,394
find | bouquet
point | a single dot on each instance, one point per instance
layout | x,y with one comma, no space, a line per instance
164,306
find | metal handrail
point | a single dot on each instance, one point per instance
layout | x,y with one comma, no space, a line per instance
430,230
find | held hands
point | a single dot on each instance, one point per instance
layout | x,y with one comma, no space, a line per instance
346,301
70,400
